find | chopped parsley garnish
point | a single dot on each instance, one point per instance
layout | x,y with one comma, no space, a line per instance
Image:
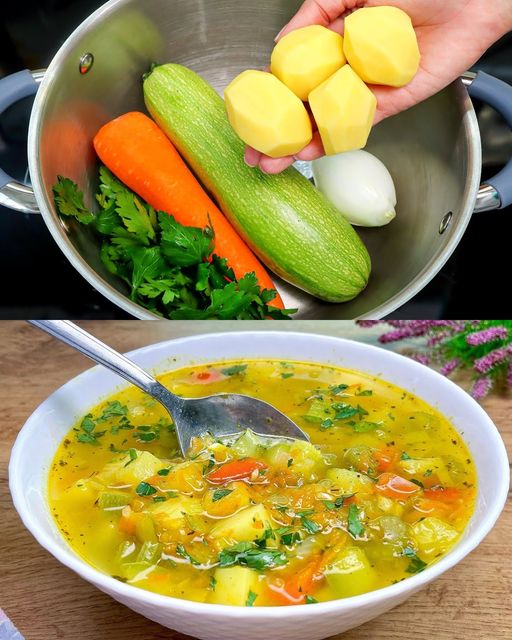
418,482
132,453
234,369
213,583
114,408
145,489
365,392
416,564
159,499
88,433
218,494
334,390
247,554
287,375
164,472
326,424
355,528
405,456
336,504
251,597
309,525
183,553
310,600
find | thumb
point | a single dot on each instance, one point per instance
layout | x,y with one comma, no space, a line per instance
321,12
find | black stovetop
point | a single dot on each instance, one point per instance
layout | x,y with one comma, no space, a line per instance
38,281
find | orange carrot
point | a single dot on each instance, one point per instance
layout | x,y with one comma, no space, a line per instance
298,586
235,470
139,154
396,487
444,494
384,458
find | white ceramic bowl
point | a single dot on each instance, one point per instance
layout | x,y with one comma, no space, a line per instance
44,430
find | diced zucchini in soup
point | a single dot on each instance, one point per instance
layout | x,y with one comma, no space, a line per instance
113,500
132,471
419,469
245,526
351,573
433,536
232,585
349,482
254,521
249,445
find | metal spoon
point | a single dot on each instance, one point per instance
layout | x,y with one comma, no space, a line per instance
223,414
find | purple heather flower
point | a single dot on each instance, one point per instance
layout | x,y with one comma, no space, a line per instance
367,324
509,375
487,335
449,367
422,358
487,362
481,388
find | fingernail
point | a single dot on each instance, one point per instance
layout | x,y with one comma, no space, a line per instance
278,35
250,164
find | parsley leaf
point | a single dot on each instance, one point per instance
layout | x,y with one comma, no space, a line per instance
405,456
309,525
416,565
234,369
181,551
218,494
145,489
310,600
355,528
250,555
70,201
251,597
365,392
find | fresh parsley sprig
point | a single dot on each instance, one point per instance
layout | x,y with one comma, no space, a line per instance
167,267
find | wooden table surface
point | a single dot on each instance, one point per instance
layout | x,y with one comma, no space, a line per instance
47,601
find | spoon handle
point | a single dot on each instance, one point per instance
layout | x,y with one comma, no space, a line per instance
76,337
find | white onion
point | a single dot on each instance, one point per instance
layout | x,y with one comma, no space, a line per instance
359,185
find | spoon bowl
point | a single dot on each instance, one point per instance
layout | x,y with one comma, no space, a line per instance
221,415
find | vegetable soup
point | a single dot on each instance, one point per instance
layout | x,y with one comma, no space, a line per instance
384,489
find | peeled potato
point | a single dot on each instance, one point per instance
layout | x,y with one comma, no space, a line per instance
306,57
267,115
344,109
381,46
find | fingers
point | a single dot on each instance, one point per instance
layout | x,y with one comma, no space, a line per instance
321,12
314,149
252,157
275,165
272,166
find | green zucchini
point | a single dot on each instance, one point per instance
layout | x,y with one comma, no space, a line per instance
286,221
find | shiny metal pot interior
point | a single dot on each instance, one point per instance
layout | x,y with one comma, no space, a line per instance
433,151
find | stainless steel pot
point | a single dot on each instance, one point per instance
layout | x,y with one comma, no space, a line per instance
433,150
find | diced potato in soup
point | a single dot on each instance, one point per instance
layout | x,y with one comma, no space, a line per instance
384,488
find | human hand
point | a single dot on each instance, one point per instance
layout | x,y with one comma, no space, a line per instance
452,36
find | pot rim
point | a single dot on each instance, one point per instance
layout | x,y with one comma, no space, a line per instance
55,226
403,588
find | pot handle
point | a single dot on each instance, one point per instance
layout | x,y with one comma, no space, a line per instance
13,194
496,193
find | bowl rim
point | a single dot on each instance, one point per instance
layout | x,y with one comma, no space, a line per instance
70,559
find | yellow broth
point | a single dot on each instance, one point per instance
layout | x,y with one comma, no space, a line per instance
385,489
